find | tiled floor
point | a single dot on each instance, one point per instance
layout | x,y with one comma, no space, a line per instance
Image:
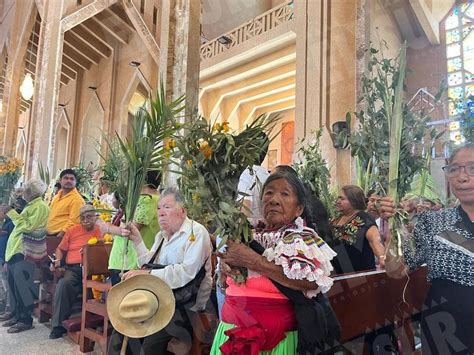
36,342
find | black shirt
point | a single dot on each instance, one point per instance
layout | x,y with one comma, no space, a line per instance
351,245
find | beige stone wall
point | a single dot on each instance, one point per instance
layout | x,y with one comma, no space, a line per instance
116,81
440,8
383,27
277,144
17,19
150,6
220,16
342,82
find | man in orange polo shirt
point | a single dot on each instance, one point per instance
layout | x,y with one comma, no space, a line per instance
65,206
70,285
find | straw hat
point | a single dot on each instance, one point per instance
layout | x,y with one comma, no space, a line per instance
140,306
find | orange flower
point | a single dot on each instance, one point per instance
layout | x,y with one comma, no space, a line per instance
189,162
225,127
217,127
170,144
205,149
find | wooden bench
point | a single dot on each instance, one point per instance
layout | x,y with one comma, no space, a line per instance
73,326
365,302
95,260
48,282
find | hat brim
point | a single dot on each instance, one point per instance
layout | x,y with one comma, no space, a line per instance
166,306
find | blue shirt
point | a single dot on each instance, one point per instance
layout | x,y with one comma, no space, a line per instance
7,228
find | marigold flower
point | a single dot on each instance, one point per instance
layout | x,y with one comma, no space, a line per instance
225,127
205,149
217,127
170,144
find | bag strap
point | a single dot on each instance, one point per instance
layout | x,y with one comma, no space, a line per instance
152,260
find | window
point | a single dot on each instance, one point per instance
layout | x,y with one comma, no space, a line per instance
155,19
459,26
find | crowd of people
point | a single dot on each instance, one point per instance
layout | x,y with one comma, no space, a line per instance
271,292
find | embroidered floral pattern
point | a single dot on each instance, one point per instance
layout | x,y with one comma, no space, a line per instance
348,232
300,251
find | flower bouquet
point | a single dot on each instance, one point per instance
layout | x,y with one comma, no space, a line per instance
10,171
212,160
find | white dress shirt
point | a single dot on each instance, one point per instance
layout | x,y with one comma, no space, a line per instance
250,188
184,253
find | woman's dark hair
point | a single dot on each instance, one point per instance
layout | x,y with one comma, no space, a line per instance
454,153
153,178
314,213
317,217
295,183
285,169
356,196
57,185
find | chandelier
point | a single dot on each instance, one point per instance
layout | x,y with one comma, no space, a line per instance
27,88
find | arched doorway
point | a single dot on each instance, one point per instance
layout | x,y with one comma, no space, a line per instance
92,127
138,99
62,143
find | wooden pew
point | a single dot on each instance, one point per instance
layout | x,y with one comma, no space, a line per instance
364,302
95,260
48,281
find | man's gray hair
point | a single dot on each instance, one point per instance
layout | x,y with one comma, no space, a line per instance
178,196
33,188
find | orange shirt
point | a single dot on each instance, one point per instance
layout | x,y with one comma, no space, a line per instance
64,211
73,241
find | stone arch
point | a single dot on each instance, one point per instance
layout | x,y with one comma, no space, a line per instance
91,131
62,142
140,85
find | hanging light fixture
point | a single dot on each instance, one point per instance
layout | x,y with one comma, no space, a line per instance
27,88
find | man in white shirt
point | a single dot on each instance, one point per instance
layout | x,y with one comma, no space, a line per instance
250,187
183,249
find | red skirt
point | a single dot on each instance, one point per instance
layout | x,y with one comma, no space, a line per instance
260,324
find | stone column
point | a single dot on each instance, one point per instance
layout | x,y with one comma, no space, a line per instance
14,76
342,80
180,50
180,55
326,74
312,76
45,102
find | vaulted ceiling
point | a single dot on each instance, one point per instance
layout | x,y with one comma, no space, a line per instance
84,45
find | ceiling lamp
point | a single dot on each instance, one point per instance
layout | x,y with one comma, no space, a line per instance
226,41
27,88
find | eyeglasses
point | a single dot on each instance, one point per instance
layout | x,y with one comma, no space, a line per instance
454,170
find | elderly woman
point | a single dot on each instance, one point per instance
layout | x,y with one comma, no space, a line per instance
356,238
21,272
444,241
273,311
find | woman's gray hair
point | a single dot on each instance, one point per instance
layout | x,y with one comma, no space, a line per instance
33,188
454,153
178,197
